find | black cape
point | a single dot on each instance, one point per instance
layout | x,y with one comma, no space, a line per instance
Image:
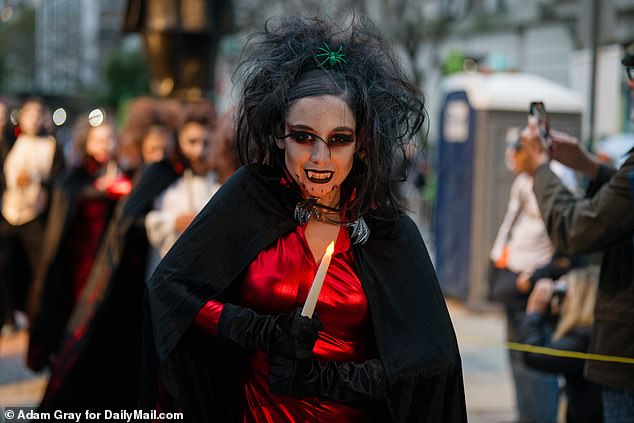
413,333
98,363
50,301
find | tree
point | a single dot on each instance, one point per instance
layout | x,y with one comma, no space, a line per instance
17,51
251,14
406,23
125,76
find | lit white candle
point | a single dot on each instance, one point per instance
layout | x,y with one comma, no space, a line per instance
315,289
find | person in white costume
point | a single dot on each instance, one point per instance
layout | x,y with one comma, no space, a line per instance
177,206
29,170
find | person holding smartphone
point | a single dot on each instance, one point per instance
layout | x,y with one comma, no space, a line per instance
602,221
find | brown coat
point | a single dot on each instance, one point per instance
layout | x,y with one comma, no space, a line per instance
603,221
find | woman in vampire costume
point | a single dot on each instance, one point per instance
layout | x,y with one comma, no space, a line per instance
325,112
82,204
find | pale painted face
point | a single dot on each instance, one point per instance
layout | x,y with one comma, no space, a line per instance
319,146
194,141
100,143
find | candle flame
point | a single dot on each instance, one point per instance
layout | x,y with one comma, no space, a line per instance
331,248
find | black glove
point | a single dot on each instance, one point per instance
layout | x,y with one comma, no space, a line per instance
346,381
289,334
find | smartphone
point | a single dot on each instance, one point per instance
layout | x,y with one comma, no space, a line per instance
538,110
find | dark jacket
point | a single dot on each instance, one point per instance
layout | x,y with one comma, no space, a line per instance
584,397
603,221
414,337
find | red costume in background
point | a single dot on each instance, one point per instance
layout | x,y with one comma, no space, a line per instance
278,281
84,239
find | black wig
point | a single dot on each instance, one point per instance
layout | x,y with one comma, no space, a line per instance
389,110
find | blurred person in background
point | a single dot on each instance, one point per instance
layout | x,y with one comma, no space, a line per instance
148,135
82,204
30,168
6,312
573,302
522,253
175,208
99,361
603,221
4,139
224,160
411,188
5,146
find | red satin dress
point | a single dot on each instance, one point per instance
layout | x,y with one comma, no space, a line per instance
278,281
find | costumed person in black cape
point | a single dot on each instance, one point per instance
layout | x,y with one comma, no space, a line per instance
148,134
176,207
82,204
325,112
97,365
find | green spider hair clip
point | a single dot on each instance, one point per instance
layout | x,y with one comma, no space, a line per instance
331,58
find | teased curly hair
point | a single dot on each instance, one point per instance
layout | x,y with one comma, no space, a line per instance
389,110
201,112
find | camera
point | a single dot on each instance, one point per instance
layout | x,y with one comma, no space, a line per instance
538,110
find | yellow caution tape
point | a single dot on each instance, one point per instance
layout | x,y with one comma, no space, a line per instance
569,354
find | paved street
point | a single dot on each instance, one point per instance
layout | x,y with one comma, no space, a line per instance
488,386
487,378
18,385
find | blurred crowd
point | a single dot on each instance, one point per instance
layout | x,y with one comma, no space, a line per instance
86,218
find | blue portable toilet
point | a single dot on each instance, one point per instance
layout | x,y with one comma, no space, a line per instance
473,182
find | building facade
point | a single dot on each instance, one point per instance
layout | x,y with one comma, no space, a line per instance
73,39
555,39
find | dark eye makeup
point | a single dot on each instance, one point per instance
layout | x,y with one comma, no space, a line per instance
303,137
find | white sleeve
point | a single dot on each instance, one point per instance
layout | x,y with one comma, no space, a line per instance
512,210
159,225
